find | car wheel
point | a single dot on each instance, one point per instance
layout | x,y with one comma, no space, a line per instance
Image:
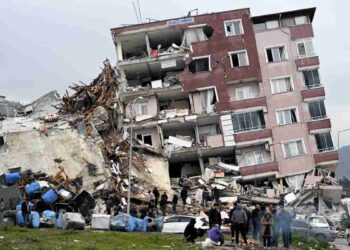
349,240
321,237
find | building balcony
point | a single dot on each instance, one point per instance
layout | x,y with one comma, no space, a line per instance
301,31
313,92
257,100
327,159
319,124
307,62
259,169
258,135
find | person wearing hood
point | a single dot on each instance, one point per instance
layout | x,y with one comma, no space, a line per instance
239,220
285,220
266,223
191,233
214,216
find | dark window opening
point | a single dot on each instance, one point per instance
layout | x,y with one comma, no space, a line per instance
208,31
146,139
317,110
199,65
324,142
2,144
248,121
181,169
276,54
312,78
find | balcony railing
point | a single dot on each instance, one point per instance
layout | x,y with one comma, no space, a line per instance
259,168
321,117
325,149
242,130
254,95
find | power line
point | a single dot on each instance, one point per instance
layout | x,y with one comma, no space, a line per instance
138,20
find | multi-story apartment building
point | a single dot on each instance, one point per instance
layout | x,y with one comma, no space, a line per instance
228,88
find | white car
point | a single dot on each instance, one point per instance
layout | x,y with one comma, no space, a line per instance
177,223
318,221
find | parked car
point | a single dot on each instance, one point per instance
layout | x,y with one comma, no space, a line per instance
178,223
347,232
318,231
318,221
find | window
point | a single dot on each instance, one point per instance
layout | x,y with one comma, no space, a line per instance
280,85
276,54
287,116
146,139
312,78
294,148
239,58
248,121
272,24
317,110
324,142
207,100
305,48
259,27
233,28
254,158
140,108
291,21
200,65
244,93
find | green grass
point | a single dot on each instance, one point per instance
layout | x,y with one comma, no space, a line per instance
24,238
302,243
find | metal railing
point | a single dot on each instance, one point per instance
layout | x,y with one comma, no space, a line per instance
254,95
260,127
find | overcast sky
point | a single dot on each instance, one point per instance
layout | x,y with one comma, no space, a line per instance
47,45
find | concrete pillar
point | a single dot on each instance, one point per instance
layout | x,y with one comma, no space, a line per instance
201,164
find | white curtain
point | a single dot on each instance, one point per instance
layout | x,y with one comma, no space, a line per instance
295,182
207,98
193,35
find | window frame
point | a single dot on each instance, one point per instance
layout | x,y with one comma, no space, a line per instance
270,21
291,141
237,52
240,26
279,78
244,87
202,57
139,106
252,128
317,118
285,109
254,153
303,40
319,78
276,46
320,150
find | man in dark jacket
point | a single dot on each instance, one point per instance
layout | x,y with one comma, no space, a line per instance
216,194
156,196
285,220
191,233
276,227
25,208
214,216
256,220
174,202
239,219
232,225
205,197
248,213
184,195
163,202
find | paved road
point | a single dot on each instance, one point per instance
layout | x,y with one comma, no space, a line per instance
341,244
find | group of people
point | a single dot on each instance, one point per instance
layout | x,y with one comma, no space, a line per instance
154,198
267,224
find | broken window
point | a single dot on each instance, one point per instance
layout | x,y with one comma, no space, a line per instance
254,158
245,92
280,85
146,139
312,78
317,110
207,100
287,116
276,54
293,148
239,58
140,108
324,142
233,28
305,48
273,24
248,121
199,65
193,35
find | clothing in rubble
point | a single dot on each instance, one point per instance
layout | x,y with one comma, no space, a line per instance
174,202
216,235
214,216
191,233
266,223
156,196
239,220
183,195
163,202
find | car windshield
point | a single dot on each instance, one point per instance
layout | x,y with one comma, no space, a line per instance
321,220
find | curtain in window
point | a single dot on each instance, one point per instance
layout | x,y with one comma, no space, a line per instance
207,99
193,35
295,182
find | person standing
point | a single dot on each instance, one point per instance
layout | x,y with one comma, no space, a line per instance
266,223
205,197
232,224
183,195
2,210
256,220
239,219
285,220
174,203
151,200
199,196
276,227
163,202
216,194
156,196
248,213
214,216
25,208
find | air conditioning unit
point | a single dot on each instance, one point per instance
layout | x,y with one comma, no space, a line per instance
267,146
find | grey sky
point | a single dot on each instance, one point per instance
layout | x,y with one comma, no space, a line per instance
47,45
